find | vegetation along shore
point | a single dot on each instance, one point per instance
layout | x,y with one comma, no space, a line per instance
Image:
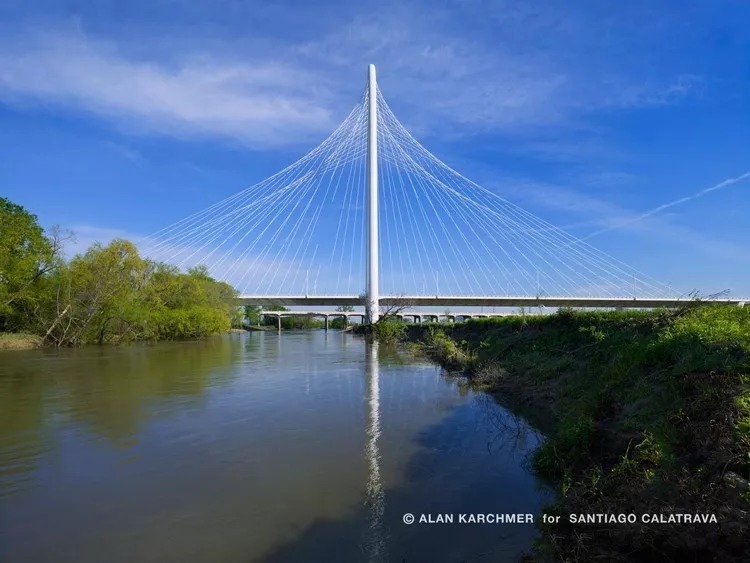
647,413
107,294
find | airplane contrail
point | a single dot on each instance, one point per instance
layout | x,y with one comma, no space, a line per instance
655,210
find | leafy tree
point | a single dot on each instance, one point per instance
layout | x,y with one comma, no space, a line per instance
238,316
252,314
107,294
341,322
26,255
104,284
111,294
268,321
200,271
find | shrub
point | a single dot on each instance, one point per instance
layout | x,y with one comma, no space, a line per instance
387,330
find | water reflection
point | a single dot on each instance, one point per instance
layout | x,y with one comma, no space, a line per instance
254,447
375,493
512,434
105,393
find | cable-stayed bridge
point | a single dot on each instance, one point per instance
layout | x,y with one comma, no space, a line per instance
370,217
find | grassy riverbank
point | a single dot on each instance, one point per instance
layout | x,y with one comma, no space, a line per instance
651,415
19,341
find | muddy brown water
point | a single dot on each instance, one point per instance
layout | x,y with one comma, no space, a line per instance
304,446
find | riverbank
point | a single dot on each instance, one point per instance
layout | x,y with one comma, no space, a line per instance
650,415
24,341
19,341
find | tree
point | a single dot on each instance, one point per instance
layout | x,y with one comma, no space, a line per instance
238,317
341,322
398,306
104,283
26,256
200,271
271,321
252,314
107,294
111,294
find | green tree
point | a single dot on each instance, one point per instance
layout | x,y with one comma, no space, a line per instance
268,321
104,286
111,294
26,255
252,314
341,322
238,317
107,294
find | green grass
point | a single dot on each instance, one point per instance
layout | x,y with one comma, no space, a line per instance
650,408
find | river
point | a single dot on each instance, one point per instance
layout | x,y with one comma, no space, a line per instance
303,446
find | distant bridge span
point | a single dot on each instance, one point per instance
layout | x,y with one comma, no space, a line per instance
472,301
347,315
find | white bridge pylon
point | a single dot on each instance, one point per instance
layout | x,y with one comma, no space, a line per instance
371,213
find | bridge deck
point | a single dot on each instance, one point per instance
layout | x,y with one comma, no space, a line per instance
349,314
471,301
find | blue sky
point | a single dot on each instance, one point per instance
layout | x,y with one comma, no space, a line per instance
117,119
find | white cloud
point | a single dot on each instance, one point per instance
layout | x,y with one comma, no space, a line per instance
261,103
516,77
438,73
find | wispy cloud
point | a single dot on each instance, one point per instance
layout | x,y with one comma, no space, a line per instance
606,216
650,213
498,78
272,93
260,102
125,152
